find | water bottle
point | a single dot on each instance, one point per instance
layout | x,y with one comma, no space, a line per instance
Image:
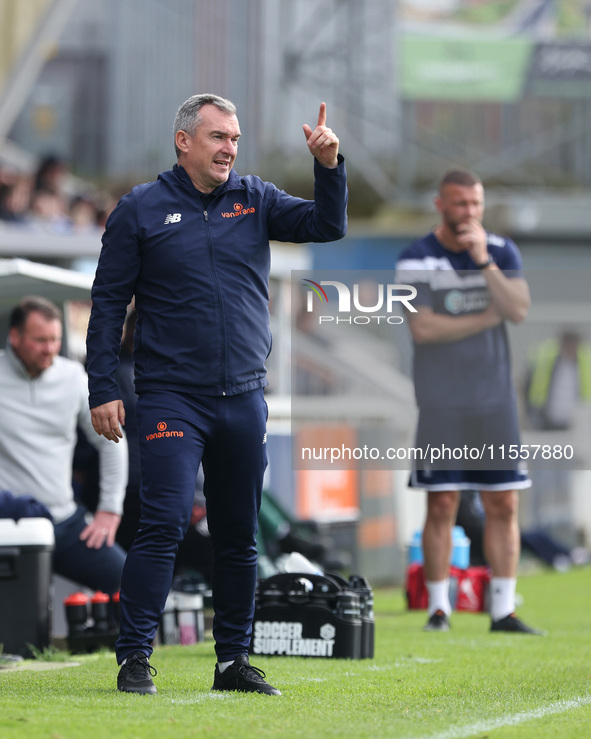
460,557
415,549
99,604
190,617
169,630
348,606
76,605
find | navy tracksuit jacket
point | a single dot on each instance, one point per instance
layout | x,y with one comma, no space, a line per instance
199,270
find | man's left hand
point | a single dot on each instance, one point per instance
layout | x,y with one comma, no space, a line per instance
101,530
322,142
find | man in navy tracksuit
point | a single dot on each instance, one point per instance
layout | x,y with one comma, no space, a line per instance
193,248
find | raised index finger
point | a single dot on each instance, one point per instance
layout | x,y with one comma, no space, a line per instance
322,115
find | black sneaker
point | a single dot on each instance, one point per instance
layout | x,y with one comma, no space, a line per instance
513,624
135,676
243,677
438,621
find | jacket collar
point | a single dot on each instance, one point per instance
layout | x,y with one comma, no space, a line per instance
234,181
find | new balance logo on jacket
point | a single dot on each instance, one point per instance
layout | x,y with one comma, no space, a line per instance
172,218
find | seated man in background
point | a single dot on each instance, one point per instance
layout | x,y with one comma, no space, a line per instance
43,399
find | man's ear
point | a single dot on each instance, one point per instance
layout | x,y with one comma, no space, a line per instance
181,140
437,201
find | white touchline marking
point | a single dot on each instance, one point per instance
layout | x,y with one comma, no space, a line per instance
510,719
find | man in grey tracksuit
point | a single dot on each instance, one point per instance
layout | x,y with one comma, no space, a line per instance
43,399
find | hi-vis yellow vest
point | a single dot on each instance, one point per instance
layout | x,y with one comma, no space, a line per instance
544,360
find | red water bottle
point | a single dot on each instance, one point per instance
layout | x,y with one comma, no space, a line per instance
76,605
100,610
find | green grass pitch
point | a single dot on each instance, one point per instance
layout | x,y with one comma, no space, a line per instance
465,683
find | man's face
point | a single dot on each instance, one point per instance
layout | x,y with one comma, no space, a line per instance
37,343
459,204
209,155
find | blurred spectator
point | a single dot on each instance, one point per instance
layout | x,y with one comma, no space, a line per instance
559,379
15,194
51,175
50,199
43,396
83,214
47,211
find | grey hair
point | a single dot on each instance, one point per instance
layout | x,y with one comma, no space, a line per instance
188,118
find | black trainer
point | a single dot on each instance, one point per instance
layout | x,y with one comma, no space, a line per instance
438,621
135,676
513,624
243,677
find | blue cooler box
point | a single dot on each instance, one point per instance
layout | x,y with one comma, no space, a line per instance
26,549
460,556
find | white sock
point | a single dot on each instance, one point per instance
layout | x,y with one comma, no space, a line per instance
502,597
223,665
439,596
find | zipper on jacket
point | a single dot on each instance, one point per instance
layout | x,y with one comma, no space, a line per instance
220,303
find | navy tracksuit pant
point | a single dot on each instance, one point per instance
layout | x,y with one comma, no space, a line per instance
176,433
97,569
